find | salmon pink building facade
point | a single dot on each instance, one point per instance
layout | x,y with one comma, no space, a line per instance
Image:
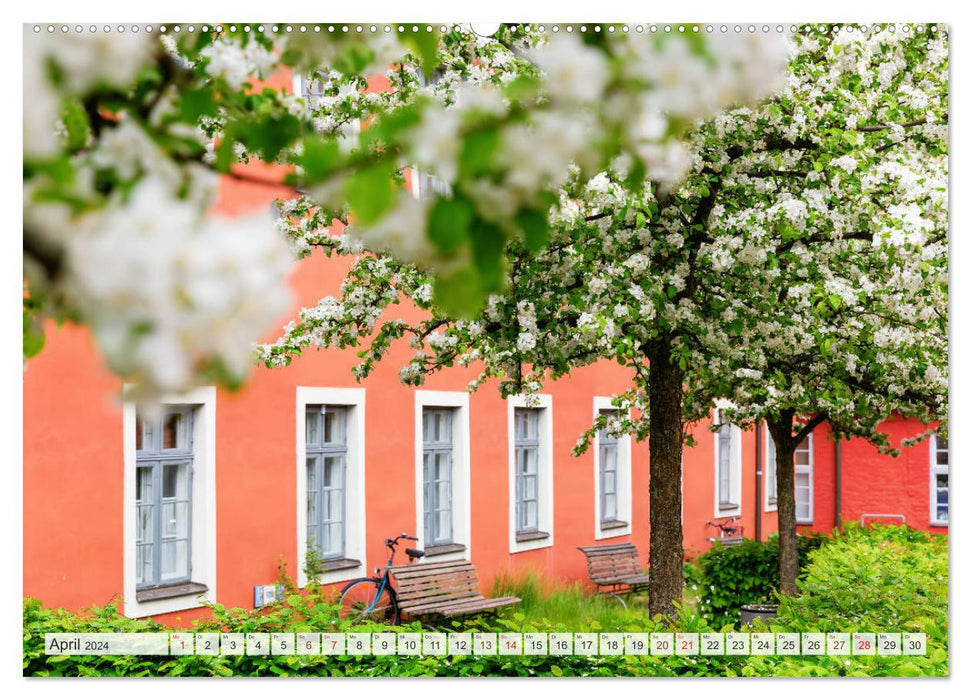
208,497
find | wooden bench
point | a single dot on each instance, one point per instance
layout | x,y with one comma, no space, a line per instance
448,589
615,569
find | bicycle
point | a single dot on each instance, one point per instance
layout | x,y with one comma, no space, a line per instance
373,597
727,528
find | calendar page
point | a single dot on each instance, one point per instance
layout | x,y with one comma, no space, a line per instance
512,349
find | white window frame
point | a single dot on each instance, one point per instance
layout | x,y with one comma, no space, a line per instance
203,508
458,401
936,469
811,469
624,487
355,535
544,402
735,445
771,505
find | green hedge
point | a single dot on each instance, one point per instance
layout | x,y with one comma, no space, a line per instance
880,579
725,578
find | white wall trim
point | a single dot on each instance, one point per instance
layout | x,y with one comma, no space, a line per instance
545,402
736,467
624,486
356,523
461,470
203,548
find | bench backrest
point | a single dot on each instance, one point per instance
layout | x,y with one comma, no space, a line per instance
611,561
435,583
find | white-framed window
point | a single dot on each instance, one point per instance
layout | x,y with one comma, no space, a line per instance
170,504
804,481
326,455
803,458
728,468
443,494
612,478
771,490
330,482
940,462
530,473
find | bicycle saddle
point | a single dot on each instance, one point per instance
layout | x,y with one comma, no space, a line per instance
415,553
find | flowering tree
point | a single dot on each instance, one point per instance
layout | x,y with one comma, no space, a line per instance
832,260
653,276
126,135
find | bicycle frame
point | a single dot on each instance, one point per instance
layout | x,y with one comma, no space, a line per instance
386,575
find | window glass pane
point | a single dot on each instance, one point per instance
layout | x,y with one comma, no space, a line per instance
334,472
311,474
335,505
442,464
312,508
138,433
610,482
145,525
610,507
313,418
442,495
143,484
531,515
610,458
173,431
175,559
313,540
530,459
426,426
144,567
175,519
529,487
334,426
175,480
444,526
333,539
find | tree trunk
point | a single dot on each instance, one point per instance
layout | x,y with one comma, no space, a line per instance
665,441
785,480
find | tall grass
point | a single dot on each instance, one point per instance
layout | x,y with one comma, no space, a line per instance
548,606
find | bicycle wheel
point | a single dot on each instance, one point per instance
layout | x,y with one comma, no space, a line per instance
365,599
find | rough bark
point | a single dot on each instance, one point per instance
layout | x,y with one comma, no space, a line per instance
665,441
785,480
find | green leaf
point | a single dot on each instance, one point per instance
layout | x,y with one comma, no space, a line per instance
448,223
196,103
478,151
320,156
225,155
459,293
269,134
370,193
290,57
487,244
33,335
835,301
76,123
535,228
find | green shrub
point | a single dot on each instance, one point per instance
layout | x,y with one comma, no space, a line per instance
725,578
874,579
882,579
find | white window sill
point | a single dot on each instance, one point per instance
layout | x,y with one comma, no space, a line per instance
938,523
166,605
